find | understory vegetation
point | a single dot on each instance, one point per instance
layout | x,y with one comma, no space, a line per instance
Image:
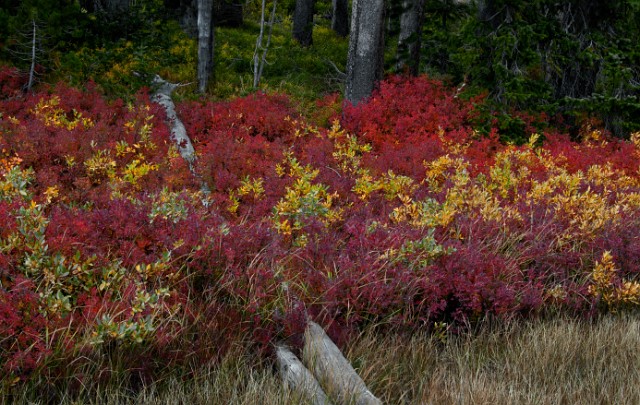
482,226
400,212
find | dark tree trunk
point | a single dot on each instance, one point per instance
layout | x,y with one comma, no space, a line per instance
340,17
205,43
366,49
409,40
186,12
118,5
226,13
303,22
34,42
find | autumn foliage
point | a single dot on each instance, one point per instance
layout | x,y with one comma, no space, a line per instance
399,212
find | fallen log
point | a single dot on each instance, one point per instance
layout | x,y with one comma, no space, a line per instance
334,373
162,96
298,378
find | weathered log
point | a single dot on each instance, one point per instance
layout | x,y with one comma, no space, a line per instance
334,373
162,96
298,378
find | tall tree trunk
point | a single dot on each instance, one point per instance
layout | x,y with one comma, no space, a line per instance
187,14
205,43
118,5
259,61
366,49
340,17
409,40
32,69
228,13
303,22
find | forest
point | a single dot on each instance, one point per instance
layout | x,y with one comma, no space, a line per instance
186,184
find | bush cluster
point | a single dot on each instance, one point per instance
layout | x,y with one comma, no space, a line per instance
400,212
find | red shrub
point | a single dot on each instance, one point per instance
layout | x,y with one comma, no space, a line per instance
485,245
12,82
23,347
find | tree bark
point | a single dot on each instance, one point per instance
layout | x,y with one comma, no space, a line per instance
205,43
303,22
340,17
366,49
409,40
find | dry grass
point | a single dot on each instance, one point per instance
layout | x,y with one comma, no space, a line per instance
545,362
550,362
